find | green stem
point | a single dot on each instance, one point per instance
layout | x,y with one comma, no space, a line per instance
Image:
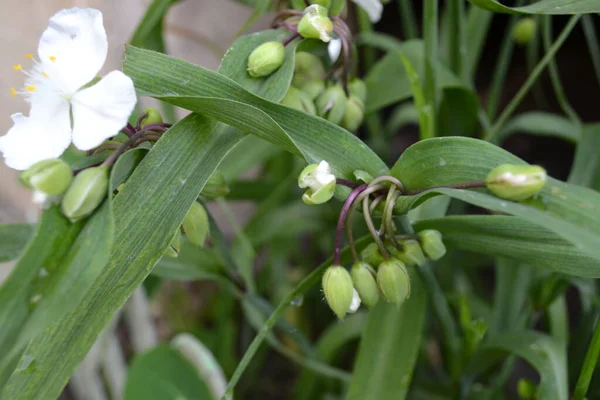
478,25
410,29
456,13
589,364
532,57
559,91
430,36
514,103
589,29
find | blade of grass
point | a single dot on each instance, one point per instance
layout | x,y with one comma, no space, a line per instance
589,30
410,28
430,36
589,364
456,13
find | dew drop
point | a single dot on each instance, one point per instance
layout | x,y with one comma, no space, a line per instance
27,364
43,272
297,301
442,162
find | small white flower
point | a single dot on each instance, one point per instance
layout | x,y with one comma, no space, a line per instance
334,48
355,302
317,178
64,107
373,8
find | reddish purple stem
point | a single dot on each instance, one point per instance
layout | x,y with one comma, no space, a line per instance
347,183
340,225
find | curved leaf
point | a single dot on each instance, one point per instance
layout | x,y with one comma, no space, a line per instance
556,7
541,124
13,239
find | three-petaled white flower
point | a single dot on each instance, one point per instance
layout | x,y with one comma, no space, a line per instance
67,105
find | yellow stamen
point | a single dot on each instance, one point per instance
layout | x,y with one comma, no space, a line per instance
52,58
17,67
13,92
30,88
29,56
45,75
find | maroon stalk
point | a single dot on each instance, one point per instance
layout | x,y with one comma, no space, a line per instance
340,225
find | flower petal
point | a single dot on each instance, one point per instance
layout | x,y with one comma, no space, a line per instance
334,48
100,111
31,140
73,48
373,8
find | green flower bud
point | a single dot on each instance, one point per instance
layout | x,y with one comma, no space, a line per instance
315,24
516,182
371,254
338,289
411,253
196,225
86,193
323,3
358,88
526,389
393,280
307,68
266,59
354,113
216,186
363,176
332,104
174,247
364,282
299,100
153,116
320,183
313,89
432,244
51,177
524,30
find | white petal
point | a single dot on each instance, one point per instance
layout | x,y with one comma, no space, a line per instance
102,110
334,49
373,8
355,302
32,140
73,48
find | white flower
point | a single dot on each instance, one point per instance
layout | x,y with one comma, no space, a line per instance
334,48
355,302
64,107
316,177
373,8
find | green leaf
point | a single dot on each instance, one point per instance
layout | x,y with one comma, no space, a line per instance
570,211
404,114
544,353
426,114
540,124
193,263
458,113
512,237
125,166
250,152
389,348
163,373
13,239
586,166
555,7
148,33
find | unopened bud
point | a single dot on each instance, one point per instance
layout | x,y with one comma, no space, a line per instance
354,113
526,389
323,3
174,247
411,253
315,24
358,88
216,186
153,116
432,244
393,280
86,193
338,289
319,181
299,100
516,182
371,254
196,225
51,177
524,30
364,283
313,89
266,59
332,104
307,68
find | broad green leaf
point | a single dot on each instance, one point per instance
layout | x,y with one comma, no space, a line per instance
201,90
570,211
404,114
541,124
512,237
163,373
586,166
13,239
125,166
543,352
426,114
458,112
193,263
389,348
555,7
250,152
511,290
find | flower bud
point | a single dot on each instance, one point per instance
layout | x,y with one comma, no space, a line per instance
299,100
411,253
322,3
338,289
371,254
174,247
196,225
332,104
364,282
524,30
320,183
313,89
315,24
358,88
86,193
266,59
51,177
432,244
216,186
354,113
153,116
516,182
307,68
393,280
526,389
